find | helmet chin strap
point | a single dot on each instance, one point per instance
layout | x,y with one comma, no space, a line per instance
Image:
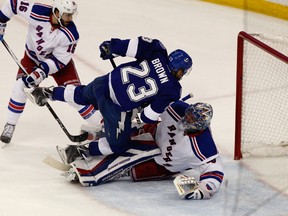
58,18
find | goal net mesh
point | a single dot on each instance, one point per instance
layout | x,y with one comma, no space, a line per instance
264,118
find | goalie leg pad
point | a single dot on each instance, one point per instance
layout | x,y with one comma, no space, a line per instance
100,169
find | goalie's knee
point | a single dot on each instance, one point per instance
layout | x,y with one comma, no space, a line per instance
149,170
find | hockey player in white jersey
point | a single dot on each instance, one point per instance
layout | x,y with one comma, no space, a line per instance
184,138
50,44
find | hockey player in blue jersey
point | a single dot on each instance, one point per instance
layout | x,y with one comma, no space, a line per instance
150,84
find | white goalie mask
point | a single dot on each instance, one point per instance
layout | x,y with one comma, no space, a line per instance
197,117
64,6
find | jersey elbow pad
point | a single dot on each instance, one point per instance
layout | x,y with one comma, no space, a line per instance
132,48
149,116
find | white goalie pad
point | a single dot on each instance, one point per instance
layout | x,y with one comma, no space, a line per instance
96,170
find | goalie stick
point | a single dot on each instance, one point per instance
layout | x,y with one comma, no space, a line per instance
52,162
76,138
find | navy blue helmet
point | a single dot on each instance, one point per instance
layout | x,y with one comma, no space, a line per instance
179,59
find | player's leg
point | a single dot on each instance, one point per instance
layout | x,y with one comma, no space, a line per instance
117,126
17,101
149,170
68,77
97,170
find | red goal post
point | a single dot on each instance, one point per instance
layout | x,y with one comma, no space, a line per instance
261,118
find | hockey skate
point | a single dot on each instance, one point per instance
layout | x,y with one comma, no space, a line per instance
71,153
71,175
7,133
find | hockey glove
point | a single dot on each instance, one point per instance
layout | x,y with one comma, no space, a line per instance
35,78
2,30
40,95
105,51
187,187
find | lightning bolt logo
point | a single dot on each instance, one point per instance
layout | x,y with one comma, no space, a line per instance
121,124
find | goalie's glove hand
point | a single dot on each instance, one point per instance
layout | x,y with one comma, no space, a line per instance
105,51
35,78
188,187
2,30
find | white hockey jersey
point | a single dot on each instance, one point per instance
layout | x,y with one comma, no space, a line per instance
181,152
46,45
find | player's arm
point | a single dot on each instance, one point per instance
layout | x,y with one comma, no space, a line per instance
140,48
208,184
10,8
17,7
63,52
60,57
57,60
152,112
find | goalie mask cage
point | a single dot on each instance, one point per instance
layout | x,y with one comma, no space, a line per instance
261,121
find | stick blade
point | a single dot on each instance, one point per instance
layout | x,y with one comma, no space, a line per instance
56,164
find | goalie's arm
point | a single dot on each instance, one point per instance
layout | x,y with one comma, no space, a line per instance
209,182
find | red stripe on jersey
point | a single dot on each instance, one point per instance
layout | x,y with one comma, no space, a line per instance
68,33
173,113
90,108
45,18
196,147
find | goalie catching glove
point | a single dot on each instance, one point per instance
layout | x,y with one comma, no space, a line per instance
189,188
35,78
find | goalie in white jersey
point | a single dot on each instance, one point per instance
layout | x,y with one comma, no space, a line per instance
185,141
50,44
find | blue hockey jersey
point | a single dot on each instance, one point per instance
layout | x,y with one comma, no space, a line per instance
147,80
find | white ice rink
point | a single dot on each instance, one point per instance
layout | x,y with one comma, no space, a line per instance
208,33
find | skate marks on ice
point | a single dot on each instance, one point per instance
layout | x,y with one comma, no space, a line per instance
241,193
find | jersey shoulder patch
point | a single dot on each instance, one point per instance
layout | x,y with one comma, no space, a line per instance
177,109
70,31
41,12
203,145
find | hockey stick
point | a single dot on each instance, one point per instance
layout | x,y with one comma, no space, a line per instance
77,138
188,96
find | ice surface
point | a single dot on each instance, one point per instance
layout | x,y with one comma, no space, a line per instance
208,32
